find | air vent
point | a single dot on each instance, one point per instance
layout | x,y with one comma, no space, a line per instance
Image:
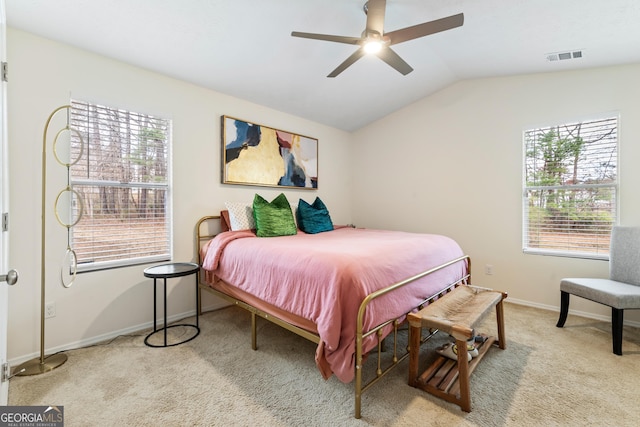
562,56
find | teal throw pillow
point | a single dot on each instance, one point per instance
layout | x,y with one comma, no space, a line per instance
314,218
275,218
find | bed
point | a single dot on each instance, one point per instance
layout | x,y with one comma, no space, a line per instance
345,290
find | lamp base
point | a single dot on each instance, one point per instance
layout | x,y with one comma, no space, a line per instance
37,367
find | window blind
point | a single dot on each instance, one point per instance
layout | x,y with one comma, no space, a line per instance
122,176
571,188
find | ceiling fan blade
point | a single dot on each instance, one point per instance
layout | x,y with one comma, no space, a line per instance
347,62
425,29
375,15
327,37
393,59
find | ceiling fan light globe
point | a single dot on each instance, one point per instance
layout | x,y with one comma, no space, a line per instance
372,46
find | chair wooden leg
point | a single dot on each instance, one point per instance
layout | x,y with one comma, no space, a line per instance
617,319
502,339
564,308
463,376
415,335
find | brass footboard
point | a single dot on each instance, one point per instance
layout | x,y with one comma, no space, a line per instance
361,335
202,236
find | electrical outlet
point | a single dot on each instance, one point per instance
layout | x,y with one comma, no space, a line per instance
488,269
49,310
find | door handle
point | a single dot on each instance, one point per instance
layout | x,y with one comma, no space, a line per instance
11,277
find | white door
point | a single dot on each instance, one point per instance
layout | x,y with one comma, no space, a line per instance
4,293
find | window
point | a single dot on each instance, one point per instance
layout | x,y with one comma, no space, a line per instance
122,176
571,188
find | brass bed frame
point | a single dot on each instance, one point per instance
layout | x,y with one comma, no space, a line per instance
203,236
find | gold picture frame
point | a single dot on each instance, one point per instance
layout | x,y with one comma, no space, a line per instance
254,154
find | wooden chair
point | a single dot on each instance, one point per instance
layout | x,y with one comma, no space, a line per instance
620,291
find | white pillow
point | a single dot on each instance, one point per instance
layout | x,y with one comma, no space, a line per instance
240,215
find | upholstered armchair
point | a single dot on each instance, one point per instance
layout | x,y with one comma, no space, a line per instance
620,291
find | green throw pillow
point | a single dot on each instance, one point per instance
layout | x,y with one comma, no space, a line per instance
275,218
313,218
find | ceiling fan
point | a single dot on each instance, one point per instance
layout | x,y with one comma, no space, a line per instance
375,40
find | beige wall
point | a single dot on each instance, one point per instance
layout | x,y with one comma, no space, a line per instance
452,164
44,75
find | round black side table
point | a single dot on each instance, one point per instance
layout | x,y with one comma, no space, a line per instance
164,272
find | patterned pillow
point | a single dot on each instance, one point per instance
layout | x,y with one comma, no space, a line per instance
275,218
240,215
313,218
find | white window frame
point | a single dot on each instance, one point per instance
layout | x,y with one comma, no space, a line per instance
85,184
574,247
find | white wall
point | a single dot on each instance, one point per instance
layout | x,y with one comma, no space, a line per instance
452,164
44,75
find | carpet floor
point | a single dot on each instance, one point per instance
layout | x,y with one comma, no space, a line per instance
547,376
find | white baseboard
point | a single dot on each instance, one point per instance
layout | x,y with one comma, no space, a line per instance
111,335
218,305
600,317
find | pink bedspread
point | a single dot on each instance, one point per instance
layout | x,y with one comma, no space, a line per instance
324,277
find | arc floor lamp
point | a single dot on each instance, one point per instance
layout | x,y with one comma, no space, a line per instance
42,364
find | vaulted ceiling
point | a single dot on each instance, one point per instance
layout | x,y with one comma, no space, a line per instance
244,48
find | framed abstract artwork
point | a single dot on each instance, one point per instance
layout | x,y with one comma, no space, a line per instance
254,154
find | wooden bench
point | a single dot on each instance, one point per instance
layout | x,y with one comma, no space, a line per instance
457,313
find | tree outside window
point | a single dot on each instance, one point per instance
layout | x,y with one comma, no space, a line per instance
570,188
123,178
